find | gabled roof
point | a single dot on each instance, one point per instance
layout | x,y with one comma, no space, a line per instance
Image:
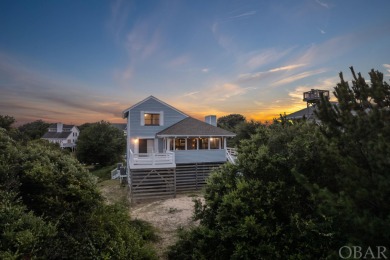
56,135
193,127
126,111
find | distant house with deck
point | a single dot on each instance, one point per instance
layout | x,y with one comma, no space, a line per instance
312,99
169,151
64,135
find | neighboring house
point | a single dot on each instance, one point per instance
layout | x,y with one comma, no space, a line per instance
306,113
161,139
64,135
312,98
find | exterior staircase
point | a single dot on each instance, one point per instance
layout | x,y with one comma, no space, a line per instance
119,173
231,155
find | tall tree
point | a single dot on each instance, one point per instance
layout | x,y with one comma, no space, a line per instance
83,126
34,130
6,122
359,130
229,122
100,143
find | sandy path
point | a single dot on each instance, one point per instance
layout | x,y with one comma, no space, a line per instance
167,216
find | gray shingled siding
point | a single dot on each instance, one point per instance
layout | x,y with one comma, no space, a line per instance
200,156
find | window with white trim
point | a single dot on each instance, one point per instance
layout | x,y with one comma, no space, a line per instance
152,118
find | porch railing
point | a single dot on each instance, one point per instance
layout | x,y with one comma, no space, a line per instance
153,160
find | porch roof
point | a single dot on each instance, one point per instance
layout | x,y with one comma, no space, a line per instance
193,127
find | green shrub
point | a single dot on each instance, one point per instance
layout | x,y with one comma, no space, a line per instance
52,209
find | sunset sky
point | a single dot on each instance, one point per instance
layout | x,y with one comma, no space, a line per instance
86,61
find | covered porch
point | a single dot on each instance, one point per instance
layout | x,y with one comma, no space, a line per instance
188,141
178,150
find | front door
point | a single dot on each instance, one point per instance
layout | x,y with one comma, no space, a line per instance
146,146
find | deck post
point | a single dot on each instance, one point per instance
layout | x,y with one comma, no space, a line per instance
196,176
174,182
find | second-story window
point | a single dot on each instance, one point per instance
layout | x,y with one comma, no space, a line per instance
152,119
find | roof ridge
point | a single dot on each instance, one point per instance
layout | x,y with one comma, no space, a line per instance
158,100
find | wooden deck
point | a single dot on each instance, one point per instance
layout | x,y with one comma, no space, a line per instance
151,160
157,175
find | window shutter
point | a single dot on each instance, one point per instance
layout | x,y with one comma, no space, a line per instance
161,118
142,118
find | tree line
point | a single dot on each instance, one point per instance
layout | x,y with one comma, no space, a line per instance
99,143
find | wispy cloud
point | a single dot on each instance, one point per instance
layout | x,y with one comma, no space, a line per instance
323,4
205,70
228,90
288,67
336,47
263,74
216,99
120,10
298,76
257,59
223,40
179,60
250,13
191,94
143,41
29,91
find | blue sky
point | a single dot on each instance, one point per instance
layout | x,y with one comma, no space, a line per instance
85,61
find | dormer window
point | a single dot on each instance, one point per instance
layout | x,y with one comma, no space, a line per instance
152,118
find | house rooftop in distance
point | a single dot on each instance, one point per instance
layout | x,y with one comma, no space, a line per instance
307,113
120,126
67,127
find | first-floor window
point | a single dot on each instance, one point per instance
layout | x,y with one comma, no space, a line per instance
192,143
203,143
180,144
215,143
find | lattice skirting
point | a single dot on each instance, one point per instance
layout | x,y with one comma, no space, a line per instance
167,182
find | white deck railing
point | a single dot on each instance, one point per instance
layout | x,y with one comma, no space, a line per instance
231,154
152,160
